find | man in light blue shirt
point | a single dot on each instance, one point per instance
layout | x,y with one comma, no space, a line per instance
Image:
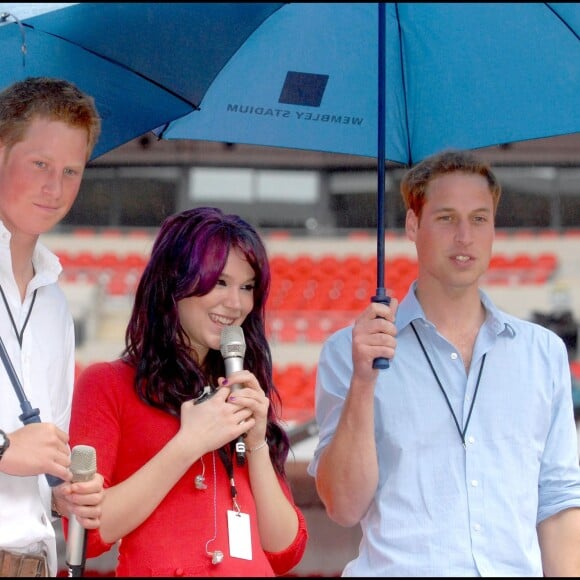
461,458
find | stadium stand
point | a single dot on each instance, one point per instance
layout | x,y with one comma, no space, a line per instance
317,287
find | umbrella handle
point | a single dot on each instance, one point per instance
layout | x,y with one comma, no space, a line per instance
381,362
30,415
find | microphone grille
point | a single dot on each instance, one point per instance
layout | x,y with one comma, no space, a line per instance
83,462
232,342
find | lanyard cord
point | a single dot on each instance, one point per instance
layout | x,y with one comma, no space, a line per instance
20,334
461,433
217,555
29,415
225,454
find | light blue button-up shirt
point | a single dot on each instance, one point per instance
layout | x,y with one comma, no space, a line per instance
442,508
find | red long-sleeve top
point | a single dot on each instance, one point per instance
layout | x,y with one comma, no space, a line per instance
126,433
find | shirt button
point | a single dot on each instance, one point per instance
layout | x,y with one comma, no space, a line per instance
453,355
474,483
471,439
476,527
179,572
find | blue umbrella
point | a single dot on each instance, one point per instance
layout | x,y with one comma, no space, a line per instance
396,81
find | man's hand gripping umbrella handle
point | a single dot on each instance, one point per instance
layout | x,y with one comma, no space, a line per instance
381,296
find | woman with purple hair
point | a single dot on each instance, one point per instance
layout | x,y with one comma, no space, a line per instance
166,418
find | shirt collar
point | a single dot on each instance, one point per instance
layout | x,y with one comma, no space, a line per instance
496,320
47,266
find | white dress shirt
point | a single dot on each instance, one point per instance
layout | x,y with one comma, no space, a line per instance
45,367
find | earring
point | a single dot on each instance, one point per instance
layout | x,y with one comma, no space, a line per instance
200,479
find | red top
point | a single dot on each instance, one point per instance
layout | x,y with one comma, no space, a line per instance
126,433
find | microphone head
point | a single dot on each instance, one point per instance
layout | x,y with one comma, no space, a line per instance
83,462
232,342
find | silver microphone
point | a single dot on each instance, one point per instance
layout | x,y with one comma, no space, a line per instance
83,467
233,349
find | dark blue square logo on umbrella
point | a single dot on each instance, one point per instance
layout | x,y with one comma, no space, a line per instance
304,89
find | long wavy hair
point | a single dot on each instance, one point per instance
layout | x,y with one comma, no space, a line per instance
187,259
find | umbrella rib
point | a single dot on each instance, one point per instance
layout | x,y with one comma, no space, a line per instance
120,65
549,7
400,35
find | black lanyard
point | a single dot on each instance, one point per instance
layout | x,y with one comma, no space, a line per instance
461,433
29,415
225,454
20,334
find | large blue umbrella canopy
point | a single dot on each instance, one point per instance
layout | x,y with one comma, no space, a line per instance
305,75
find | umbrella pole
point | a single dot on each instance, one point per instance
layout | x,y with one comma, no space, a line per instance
381,295
29,415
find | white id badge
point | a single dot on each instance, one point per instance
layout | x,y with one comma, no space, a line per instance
240,535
